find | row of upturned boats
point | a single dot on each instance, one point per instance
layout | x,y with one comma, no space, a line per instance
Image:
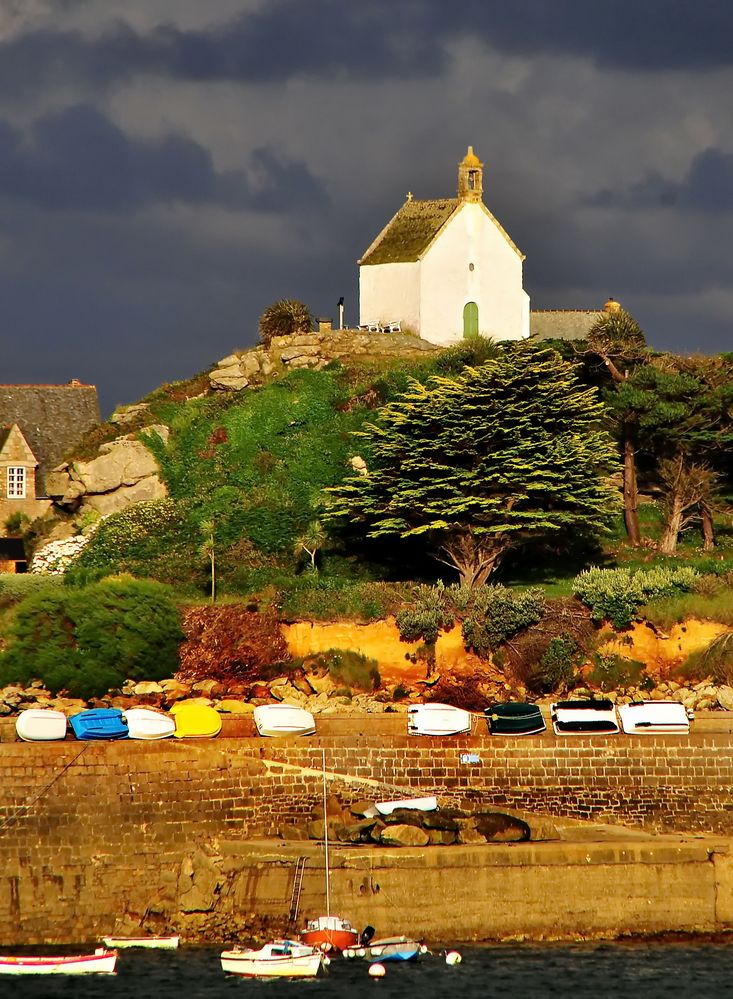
185,720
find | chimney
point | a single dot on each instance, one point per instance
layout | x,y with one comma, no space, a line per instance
325,326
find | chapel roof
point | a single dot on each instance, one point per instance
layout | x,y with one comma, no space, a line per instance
52,418
409,233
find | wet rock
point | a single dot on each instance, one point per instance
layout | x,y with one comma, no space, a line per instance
404,835
355,832
360,807
468,832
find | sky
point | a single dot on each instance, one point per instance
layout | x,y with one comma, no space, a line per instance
169,168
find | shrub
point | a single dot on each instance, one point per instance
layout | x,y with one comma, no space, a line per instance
231,642
353,669
427,615
497,614
88,641
612,671
556,667
284,317
14,588
616,594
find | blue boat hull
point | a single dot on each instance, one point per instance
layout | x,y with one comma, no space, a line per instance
99,723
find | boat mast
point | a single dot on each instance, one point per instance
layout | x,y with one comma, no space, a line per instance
325,834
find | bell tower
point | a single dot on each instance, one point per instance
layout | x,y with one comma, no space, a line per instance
470,177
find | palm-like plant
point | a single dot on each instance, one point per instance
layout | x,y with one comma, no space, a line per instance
284,317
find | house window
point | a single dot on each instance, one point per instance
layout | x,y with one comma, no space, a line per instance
16,482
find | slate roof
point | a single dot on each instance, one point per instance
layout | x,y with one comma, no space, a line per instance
52,418
562,324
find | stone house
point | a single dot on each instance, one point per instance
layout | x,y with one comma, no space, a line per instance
39,424
445,269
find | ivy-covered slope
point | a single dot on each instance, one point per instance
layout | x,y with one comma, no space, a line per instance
255,463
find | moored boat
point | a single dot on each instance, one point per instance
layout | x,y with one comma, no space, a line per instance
392,949
278,959
437,719
101,962
149,942
329,933
515,718
428,804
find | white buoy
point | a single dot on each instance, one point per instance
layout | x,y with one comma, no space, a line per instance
377,970
350,953
453,957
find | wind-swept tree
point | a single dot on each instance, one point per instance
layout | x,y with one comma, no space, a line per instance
481,461
618,341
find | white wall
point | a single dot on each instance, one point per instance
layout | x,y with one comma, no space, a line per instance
447,283
390,293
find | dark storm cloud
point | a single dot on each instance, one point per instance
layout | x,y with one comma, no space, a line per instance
78,160
378,39
707,188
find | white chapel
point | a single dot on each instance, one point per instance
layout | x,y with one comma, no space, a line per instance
446,269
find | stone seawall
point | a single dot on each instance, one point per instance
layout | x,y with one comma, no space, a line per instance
160,831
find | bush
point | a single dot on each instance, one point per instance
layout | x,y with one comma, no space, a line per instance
612,671
347,667
556,667
231,642
284,317
615,595
497,614
428,614
88,641
14,588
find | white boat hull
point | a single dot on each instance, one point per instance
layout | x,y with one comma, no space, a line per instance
41,725
283,719
437,719
150,943
253,964
654,718
102,963
143,723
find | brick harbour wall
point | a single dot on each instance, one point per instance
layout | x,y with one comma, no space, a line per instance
89,829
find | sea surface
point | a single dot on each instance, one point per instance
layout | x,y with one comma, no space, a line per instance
634,971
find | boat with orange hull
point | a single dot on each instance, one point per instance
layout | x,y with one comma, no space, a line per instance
330,933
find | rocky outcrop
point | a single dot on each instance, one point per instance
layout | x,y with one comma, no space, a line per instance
244,369
124,472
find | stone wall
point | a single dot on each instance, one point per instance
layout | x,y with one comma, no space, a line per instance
91,831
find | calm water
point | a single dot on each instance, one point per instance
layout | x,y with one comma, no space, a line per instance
636,971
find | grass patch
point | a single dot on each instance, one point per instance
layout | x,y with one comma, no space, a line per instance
714,602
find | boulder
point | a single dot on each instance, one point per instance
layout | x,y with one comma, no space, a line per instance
439,821
355,832
405,817
360,807
496,827
404,835
441,837
468,832
725,697
293,833
147,687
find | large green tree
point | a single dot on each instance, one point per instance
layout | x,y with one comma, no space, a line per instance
483,460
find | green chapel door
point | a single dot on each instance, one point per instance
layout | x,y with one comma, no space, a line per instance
470,319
